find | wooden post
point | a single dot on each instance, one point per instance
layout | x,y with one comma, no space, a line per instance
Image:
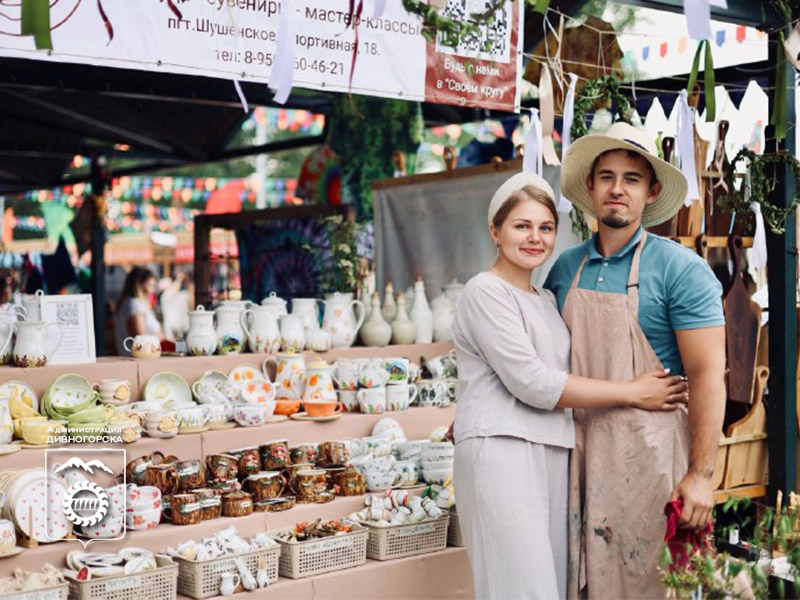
99,179
782,268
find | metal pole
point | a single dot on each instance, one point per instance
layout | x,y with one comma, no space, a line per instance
99,181
782,270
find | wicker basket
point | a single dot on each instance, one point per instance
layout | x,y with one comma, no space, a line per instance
58,592
454,530
158,584
200,579
396,541
303,559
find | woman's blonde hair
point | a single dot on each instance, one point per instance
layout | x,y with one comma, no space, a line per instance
527,192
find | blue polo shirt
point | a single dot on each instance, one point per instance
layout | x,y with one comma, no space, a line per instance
677,288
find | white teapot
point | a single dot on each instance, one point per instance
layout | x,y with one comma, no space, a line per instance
338,320
261,326
276,304
443,314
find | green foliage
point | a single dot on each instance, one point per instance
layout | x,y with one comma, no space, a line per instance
763,170
342,276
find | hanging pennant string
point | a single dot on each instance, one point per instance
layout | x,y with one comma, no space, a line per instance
564,205
685,143
759,254
547,108
555,62
280,82
532,157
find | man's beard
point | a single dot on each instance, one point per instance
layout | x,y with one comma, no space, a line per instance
615,221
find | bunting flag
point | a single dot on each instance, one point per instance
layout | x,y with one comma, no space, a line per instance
645,53
662,51
564,205
532,157
720,37
283,73
548,112
698,19
685,146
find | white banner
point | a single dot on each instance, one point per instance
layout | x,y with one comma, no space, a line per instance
237,39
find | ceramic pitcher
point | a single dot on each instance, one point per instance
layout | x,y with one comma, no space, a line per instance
290,375
293,337
201,338
319,382
6,337
308,310
6,423
261,326
230,337
29,349
33,306
276,304
340,320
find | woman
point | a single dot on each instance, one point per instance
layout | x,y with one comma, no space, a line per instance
513,426
134,315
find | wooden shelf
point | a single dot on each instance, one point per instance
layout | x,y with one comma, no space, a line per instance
746,491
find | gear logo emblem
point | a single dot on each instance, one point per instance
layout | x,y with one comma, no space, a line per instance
85,503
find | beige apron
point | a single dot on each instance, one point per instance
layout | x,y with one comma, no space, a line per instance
626,461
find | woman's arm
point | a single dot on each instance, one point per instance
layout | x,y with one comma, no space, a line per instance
651,391
136,324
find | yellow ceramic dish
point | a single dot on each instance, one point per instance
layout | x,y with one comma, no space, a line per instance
36,431
18,424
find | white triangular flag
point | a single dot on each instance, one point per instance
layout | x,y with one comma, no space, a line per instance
532,157
685,144
280,81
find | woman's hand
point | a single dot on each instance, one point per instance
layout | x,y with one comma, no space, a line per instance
658,390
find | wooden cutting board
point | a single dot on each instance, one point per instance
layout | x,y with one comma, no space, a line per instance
742,329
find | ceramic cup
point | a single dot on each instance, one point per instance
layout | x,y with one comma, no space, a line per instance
143,346
113,391
303,453
161,422
400,396
308,484
373,374
398,369
8,537
409,471
252,415
266,485
207,393
348,400
345,374
432,392
372,401
332,454
274,455
441,366
222,466
218,413
322,408
249,462
378,481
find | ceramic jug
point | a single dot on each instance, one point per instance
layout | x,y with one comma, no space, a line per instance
340,321
293,337
6,337
6,423
376,331
29,349
319,383
228,583
201,339
261,326
421,314
403,329
242,305
230,337
308,310
453,291
443,314
277,304
290,375
33,306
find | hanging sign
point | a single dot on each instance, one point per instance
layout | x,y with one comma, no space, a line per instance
238,40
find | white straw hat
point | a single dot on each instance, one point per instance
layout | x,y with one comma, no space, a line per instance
622,136
514,184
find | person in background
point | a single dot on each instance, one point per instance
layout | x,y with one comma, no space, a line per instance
135,314
6,290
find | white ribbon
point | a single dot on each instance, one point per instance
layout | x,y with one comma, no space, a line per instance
242,98
698,18
685,143
792,47
548,112
280,82
564,205
380,6
759,255
532,157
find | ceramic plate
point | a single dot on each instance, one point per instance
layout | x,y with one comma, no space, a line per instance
13,552
167,388
301,416
69,391
244,373
217,378
49,522
11,389
9,449
226,425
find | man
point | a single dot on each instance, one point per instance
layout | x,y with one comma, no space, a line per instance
636,302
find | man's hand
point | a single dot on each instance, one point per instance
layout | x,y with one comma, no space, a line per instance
449,435
695,489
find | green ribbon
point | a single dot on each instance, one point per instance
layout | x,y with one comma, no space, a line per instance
709,80
36,22
778,118
541,6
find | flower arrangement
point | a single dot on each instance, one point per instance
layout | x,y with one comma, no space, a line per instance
340,254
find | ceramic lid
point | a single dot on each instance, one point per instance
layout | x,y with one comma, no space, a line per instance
273,300
454,285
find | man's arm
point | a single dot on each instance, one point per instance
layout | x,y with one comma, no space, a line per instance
703,356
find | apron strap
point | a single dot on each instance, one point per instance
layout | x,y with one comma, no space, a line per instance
578,273
633,275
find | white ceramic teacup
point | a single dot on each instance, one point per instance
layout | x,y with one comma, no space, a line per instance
8,537
409,471
345,374
372,400
192,416
400,396
143,346
348,400
381,480
161,421
113,391
207,393
373,374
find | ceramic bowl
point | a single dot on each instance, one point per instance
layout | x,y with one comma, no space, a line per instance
142,497
438,450
437,476
385,427
437,463
322,408
251,415
139,520
18,424
287,407
36,432
109,527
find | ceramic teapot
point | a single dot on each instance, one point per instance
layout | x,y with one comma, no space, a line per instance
290,375
319,382
308,310
339,319
29,349
201,339
276,304
261,326
230,336
443,314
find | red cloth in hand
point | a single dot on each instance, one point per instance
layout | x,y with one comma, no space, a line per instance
683,543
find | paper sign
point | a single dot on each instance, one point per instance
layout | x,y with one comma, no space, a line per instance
75,316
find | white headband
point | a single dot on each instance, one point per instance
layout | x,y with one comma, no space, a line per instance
515,183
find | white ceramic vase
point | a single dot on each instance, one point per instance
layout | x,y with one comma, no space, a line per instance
201,340
376,331
443,314
403,329
389,309
230,336
421,315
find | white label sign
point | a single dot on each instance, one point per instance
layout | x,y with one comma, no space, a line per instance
75,316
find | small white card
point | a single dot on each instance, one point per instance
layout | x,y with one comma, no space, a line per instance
74,314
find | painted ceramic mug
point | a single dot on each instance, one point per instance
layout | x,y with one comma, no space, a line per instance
274,455
8,537
308,484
